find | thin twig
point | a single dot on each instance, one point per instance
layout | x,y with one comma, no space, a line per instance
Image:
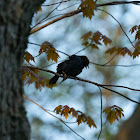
55,49
110,59
81,50
120,94
122,87
79,11
47,15
56,3
120,27
53,116
55,20
67,7
102,65
101,113
118,3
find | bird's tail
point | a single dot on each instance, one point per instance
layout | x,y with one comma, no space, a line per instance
53,80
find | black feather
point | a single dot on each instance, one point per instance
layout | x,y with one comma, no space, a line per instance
53,80
71,67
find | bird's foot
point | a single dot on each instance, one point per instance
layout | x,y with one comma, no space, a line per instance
64,75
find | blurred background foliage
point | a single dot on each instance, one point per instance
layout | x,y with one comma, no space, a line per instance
65,36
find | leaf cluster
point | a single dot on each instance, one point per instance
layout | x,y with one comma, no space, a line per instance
136,29
88,7
119,51
80,117
94,39
113,113
31,75
28,57
49,50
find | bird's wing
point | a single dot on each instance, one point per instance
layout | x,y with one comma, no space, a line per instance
70,67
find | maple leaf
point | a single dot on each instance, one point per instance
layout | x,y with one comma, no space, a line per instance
49,50
134,28
136,52
97,37
137,29
86,35
39,82
65,111
119,51
94,46
28,57
79,120
58,109
45,47
106,40
111,50
137,36
113,112
81,117
29,73
94,39
88,7
126,50
90,122
74,112
85,43
51,54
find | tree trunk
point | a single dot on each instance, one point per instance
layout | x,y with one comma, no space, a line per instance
15,20
130,130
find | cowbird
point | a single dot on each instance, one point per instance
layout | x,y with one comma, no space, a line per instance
71,67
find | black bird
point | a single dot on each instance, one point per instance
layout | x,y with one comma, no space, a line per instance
71,67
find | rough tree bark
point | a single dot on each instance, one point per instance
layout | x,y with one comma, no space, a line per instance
15,20
130,130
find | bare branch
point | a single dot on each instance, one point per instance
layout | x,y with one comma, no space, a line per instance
81,50
119,3
120,27
91,82
110,59
56,3
68,6
55,20
79,11
47,15
101,113
55,49
53,116
103,65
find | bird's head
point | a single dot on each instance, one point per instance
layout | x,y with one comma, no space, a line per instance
85,61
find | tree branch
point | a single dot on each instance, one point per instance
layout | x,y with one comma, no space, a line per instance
120,27
56,3
119,3
101,113
79,11
91,82
47,15
55,20
53,116
40,46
